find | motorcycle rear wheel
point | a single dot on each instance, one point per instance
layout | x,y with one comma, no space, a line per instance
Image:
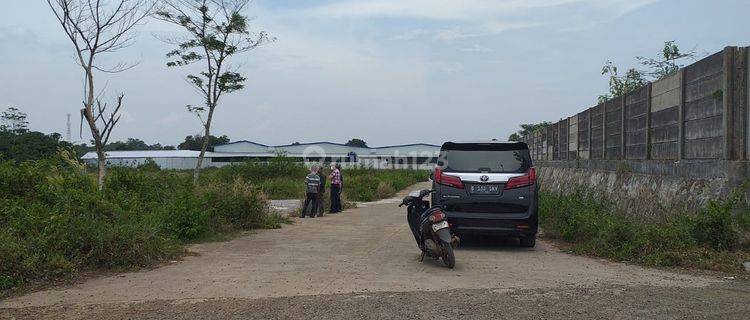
449,260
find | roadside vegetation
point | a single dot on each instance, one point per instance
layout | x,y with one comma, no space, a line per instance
282,178
56,223
715,238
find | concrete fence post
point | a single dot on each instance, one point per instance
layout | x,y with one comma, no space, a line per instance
681,118
588,114
648,121
746,91
728,97
604,130
560,140
739,99
623,126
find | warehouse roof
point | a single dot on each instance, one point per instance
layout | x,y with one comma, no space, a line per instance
331,143
147,154
194,154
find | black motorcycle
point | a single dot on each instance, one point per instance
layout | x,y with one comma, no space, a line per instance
430,228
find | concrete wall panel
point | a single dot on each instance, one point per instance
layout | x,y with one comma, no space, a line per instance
583,135
573,137
613,123
636,124
666,93
597,132
703,109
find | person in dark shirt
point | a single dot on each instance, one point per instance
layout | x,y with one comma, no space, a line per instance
312,184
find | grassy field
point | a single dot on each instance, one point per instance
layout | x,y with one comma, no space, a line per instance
56,224
283,179
716,238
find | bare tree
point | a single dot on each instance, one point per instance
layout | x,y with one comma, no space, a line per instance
97,27
216,30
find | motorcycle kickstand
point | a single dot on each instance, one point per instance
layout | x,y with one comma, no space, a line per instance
421,257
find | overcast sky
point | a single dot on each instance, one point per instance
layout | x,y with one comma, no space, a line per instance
386,71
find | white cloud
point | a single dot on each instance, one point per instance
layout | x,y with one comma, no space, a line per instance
413,34
433,9
457,32
461,19
476,48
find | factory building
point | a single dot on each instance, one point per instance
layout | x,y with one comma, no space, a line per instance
407,156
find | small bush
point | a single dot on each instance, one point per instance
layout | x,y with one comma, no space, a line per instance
714,227
385,190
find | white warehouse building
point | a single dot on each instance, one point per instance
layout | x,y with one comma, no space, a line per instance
406,156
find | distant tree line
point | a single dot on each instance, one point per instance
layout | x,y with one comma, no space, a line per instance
18,143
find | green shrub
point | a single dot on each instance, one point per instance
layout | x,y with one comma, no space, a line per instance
714,227
236,203
149,165
372,184
594,226
56,223
283,188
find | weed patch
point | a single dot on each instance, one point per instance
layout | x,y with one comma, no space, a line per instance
56,223
714,238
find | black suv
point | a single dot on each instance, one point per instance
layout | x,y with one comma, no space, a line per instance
488,187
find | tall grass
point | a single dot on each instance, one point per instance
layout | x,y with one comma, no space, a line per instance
282,178
56,223
714,238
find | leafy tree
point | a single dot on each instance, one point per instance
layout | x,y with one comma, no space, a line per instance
217,30
133,144
359,143
13,120
96,28
620,85
527,129
196,142
669,61
30,145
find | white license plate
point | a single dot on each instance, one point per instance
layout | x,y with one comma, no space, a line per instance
440,225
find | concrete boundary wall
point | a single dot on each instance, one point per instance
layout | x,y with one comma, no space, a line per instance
693,123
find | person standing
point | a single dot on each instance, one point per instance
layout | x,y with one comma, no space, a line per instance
312,185
335,177
321,194
341,178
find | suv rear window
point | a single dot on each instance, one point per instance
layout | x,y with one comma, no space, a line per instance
485,157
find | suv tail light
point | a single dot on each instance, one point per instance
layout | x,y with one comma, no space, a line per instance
447,180
525,180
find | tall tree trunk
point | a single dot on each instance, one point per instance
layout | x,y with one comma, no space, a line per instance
95,134
204,145
102,172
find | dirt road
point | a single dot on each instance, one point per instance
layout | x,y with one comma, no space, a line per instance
364,264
